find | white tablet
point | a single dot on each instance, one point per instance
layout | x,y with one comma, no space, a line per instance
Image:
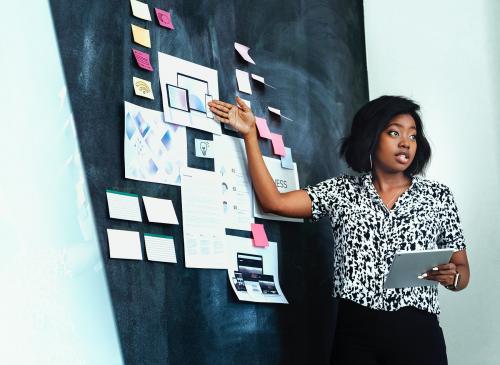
408,265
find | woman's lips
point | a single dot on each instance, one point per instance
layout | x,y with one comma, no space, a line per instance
401,158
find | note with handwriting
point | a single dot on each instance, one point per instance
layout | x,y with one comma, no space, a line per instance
143,88
164,18
142,59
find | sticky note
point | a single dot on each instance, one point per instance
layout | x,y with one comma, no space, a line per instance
124,244
141,36
140,10
164,18
261,80
160,248
278,145
259,235
123,206
287,160
143,88
277,112
243,52
204,148
160,210
263,128
243,81
142,60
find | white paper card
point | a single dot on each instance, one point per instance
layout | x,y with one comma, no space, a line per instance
285,180
204,148
160,210
202,216
154,151
123,206
124,244
160,248
140,10
243,51
236,186
199,82
253,271
243,82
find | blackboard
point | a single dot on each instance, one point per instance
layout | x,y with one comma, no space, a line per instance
314,54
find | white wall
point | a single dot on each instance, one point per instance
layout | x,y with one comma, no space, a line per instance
445,54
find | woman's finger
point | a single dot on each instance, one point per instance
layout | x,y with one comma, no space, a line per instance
220,104
442,272
242,104
219,113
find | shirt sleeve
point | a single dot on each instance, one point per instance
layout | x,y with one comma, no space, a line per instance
452,235
324,196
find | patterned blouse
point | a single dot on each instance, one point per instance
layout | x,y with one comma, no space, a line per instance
367,235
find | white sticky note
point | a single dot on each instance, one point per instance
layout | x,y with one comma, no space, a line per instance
160,210
124,244
287,160
204,148
143,88
278,112
243,51
141,36
261,80
243,82
140,10
160,248
123,206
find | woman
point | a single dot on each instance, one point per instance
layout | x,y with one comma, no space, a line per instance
387,208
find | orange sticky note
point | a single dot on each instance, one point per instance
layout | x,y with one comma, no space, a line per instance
259,235
278,145
263,128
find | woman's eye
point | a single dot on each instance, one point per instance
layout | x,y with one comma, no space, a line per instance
393,133
413,137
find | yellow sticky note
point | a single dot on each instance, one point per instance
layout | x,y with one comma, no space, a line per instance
140,10
141,36
142,88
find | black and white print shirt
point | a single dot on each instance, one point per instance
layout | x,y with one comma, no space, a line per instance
367,234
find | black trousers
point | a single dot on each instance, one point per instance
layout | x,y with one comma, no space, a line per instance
366,336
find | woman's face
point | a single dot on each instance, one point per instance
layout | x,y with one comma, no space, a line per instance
397,144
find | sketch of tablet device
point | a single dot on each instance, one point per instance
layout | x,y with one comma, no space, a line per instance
408,265
178,98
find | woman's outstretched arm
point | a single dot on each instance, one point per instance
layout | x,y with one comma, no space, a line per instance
291,204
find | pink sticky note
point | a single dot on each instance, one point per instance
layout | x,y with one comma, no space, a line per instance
278,145
164,18
142,59
262,127
259,235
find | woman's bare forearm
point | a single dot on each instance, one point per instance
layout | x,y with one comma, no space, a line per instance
263,183
290,204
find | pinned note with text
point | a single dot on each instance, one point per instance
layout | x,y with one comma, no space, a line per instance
164,18
142,59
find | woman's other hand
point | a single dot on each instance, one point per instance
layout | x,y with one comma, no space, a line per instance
239,117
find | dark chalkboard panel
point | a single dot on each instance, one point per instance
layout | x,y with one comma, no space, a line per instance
313,53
